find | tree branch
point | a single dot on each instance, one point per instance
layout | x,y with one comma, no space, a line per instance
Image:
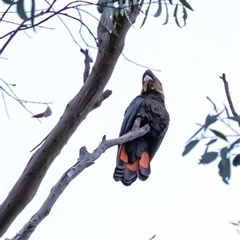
110,48
85,160
87,62
237,117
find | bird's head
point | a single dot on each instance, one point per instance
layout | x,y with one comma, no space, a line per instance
150,83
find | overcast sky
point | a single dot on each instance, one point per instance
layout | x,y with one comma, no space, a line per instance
181,200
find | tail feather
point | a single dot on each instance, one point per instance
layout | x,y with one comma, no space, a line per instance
127,172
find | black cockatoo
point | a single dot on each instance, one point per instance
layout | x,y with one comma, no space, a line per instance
134,157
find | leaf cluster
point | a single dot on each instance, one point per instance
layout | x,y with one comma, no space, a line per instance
21,9
225,155
111,10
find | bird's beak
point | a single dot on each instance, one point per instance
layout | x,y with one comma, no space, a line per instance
146,79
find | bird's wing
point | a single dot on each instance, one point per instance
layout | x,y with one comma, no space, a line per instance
130,115
158,142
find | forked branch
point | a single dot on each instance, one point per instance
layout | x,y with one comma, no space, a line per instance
85,160
237,117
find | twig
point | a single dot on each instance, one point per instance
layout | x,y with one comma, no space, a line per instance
87,62
153,237
5,105
85,160
140,65
223,77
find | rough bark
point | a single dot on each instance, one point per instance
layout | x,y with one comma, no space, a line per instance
89,96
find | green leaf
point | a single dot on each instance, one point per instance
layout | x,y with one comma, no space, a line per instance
219,134
170,1
32,14
159,10
175,15
146,13
236,161
21,10
224,151
210,119
225,170
189,147
234,143
167,15
8,1
184,16
212,141
208,157
107,18
186,4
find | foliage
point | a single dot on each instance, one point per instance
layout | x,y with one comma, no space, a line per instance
226,155
112,9
22,13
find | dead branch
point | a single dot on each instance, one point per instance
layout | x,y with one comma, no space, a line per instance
223,77
110,48
85,160
87,62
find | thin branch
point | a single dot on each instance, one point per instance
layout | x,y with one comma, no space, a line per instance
85,160
22,26
6,21
1,19
153,237
5,105
140,65
87,62
223,77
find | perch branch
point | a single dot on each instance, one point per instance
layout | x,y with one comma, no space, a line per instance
85,160
223,77
110,48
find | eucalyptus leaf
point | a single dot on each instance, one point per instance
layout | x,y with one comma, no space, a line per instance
210,119
20,10
223,152
175,15
159,10
167,15
189,147
225,170
32,14
219,134
146,13
8,1
234,143
212,141
236,161
208,157
186,4
184,16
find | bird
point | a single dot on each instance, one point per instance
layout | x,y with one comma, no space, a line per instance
134,157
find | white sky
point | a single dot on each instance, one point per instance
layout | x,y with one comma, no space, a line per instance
181,200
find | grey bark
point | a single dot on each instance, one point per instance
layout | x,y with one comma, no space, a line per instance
89,96
85,160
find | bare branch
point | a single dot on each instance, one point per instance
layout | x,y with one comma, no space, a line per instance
110,48
15,97
223,77
140,65
87,62
85,160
